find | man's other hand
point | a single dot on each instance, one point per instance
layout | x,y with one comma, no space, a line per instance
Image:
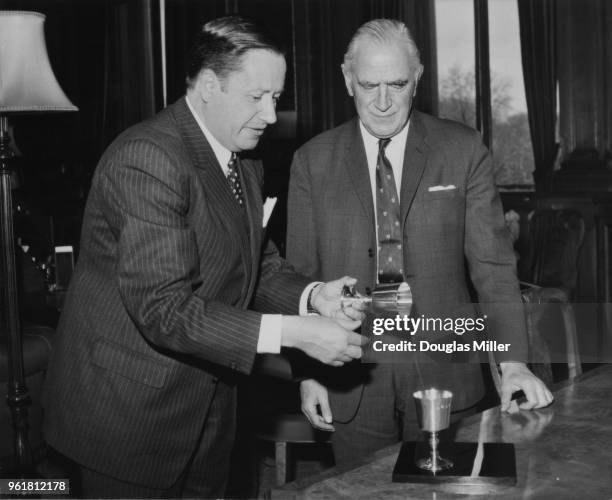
315,395
517,377
327,300
330,341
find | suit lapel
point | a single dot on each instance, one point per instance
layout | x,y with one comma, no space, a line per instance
214,182
415,159
205,160
356,165
252,199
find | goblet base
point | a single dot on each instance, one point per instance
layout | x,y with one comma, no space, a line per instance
496,466
432,465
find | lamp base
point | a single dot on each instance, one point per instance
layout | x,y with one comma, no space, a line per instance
494,463
17,397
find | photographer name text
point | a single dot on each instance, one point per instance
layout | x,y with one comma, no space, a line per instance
412,326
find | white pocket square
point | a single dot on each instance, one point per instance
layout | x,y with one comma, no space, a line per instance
442,188
267,210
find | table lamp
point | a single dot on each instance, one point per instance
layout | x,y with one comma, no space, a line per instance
27,86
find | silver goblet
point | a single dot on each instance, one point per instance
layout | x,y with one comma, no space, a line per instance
385,298
433,408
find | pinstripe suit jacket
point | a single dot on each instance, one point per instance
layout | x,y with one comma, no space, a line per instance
157,310
331,232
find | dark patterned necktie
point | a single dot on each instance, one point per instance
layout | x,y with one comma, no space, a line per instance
234,179
388,220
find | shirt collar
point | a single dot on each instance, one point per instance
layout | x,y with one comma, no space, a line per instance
394,153
222,154
370,142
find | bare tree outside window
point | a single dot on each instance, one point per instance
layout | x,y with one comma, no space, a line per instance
511,140
512,151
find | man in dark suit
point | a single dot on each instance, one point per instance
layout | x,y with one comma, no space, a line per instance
400,195
165,306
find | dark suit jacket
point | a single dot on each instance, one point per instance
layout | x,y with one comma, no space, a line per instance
157,311
331,232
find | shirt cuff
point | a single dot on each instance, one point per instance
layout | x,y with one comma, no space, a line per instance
270,334
304,297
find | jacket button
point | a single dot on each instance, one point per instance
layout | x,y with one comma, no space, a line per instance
370,253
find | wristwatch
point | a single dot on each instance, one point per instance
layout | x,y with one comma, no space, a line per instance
310,309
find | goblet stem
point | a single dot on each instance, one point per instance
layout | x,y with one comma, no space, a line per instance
433,443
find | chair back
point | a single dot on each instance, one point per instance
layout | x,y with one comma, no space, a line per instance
555,240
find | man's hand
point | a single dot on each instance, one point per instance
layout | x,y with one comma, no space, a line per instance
314,394
517,377
331,341
327,300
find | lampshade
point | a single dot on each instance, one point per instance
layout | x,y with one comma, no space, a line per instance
27,82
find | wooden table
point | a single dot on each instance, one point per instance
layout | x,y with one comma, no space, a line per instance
562,452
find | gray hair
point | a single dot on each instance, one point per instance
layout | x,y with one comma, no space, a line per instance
382,31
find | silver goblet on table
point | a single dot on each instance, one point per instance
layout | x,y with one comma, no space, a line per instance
433,408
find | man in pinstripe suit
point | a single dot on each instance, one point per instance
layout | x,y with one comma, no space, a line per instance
165,306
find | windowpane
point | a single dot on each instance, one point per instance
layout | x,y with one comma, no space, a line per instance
456,51
512,149
511,140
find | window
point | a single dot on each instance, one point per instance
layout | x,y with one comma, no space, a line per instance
503,117
456,49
